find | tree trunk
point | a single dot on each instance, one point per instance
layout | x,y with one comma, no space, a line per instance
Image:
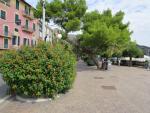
96,62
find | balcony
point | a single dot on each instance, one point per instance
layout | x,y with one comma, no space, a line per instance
5,2
7,34
27,15
27,29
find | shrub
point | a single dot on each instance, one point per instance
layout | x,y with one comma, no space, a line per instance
41,71
88,61
1,53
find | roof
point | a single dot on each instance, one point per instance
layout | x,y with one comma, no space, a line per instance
145,47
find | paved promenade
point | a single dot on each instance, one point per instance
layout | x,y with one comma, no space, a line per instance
120,90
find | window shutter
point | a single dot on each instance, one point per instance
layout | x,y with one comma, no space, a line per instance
17,4
16,18
6,30
28,42
3,15
18,41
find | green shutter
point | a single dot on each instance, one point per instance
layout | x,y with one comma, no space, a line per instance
17,4
16,18
6,30
5,43
18,41
3,15
27,24
28,42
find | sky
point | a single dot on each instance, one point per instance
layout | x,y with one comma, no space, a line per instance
137,12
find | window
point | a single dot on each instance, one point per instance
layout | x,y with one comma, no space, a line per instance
5,2
34,28
16,18
28,42
16,30
27,24
24,41
5,43
32,43
17,4
27,10
14,40
18,41
35,42
3,15
6,30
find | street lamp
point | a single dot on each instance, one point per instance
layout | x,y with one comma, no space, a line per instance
43,20
59,36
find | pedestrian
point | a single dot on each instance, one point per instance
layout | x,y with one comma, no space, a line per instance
109,64
103,63
119,61
148,66
106,64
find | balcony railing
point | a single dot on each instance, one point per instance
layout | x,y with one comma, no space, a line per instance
5,34
27,15
27,29
5,2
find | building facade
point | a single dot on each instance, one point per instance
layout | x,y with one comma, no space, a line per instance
145,49
14,34
49,33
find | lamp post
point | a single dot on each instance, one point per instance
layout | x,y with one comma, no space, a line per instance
43,19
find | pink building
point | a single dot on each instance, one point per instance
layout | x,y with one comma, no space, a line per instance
13,35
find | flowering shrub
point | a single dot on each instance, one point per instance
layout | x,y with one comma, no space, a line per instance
41,71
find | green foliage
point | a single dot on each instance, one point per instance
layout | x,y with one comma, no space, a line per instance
1,53
104,33
88,61
67,13
42,71
132,50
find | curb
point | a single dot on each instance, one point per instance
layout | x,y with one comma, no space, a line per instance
4,99
27,100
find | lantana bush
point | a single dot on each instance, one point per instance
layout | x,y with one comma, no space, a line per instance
41,71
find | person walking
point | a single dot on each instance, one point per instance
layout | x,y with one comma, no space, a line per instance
109,64
119,61
148,66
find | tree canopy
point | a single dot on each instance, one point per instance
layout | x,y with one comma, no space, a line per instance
67,13
132,50
104,33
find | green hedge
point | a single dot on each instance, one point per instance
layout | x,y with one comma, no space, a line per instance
41,71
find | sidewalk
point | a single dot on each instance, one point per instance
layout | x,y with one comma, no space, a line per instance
120,90
3,90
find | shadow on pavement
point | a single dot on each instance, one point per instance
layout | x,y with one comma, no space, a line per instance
3,88
81,66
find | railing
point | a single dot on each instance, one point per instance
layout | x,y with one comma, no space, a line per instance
5,2
5,34
27,29
27,14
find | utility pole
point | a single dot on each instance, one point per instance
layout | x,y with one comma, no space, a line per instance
43,20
